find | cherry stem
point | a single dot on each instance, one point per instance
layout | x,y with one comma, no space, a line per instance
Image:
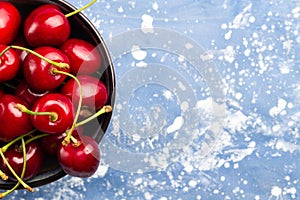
57,64
70,132
81,9
36,137
53,115
8,85
104,109
3,175
22,174
4,148
27,187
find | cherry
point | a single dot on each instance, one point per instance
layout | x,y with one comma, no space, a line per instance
52,113
38,72
94,92
9,63
10,21
1,91
24,92
80,159
46,26
13,122
51,142
14,156
21,41
84,57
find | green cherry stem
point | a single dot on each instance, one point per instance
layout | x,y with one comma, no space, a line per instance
58,64
81,9
69,134
26,186
53,115
104,109
23,171
3,175
36,137
5,147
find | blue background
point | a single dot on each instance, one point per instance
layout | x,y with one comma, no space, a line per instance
254,46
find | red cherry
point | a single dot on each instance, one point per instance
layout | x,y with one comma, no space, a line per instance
13,122
56,103
50,143
94,92
79,160
9,64
10,21
21,41
46,26
14,156
24,92
1,92
84,57
37,72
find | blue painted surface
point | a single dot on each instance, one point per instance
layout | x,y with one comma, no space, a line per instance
174,134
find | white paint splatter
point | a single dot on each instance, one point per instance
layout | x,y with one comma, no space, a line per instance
147,24
279,108
176,125
137,53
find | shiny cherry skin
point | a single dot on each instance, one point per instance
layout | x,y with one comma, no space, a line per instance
1,92
10,21
94,92
24,92
57,103
84,57
21,41
14,156
82,160
9,64
46,26
51,142
37,72
13,122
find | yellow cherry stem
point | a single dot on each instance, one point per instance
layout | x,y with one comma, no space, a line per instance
60,65
104,109
26,186
22,174
53,115
80,9
69,133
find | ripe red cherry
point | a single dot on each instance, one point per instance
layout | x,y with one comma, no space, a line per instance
56,103
9,64
24,92
37,72
1,92
13,122
79,160
84,57
46,26
10,21
50,143
94,92
14,156
21,41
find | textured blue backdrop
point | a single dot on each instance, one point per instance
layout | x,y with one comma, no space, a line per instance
207,102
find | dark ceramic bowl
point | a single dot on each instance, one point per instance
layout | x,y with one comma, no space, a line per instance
82,28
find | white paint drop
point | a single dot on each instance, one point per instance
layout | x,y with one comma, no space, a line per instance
137,53
155,6
276,191
177,124
147,24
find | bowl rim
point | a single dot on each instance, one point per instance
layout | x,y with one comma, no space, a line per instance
56,174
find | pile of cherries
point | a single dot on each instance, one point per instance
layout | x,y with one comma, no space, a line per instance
47,85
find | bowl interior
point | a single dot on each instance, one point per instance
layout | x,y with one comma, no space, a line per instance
82,28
